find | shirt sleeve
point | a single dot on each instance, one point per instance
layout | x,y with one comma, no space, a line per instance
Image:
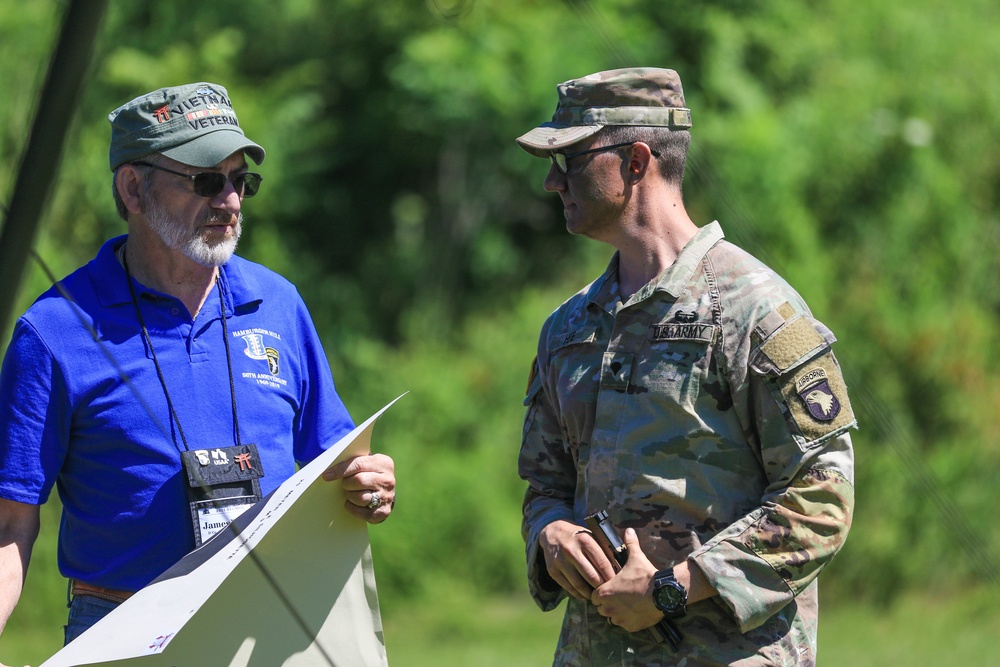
551,475
34,418
798,415
323,418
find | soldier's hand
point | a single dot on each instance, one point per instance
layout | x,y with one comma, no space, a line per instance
574,559
627,600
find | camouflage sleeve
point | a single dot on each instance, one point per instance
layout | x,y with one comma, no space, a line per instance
551,478
798,414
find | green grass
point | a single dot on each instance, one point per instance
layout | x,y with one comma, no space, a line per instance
917,631
31,645
459,629
493,632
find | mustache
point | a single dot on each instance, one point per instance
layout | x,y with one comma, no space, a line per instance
223,218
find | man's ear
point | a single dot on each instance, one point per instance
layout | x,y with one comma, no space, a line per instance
638,161
128,182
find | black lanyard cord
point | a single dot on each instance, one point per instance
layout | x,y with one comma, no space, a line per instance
159,370
229,360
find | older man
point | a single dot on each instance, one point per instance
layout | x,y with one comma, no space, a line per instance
169,384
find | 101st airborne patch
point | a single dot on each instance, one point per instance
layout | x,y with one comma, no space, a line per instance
816,397
814,390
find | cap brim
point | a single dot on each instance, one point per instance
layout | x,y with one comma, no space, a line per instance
549,137
213,148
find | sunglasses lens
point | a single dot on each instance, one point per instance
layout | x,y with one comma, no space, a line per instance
559,160
250,182
209,183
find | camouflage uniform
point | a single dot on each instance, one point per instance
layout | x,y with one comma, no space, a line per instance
708,413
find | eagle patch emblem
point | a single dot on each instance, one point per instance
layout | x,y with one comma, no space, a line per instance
814,390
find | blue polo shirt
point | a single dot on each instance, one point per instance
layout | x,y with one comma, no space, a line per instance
69,418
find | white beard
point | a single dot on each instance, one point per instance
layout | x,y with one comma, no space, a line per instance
181,238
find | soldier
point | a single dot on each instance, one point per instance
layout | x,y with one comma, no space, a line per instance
690,393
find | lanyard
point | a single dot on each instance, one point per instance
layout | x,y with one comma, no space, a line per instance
159,371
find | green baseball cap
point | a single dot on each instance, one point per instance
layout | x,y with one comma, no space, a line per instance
647,96
194,124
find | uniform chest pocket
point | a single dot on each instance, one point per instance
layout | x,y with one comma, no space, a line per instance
676,357
574,359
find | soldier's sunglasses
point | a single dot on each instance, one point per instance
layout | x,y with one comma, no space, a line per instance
561,160
211,183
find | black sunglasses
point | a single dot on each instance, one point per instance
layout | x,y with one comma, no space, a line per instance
561,160
211,183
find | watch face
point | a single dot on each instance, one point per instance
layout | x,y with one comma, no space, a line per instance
670,597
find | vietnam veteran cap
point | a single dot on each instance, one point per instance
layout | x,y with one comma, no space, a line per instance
648,96
194,124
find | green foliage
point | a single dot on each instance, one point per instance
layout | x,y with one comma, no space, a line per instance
454,436
846,143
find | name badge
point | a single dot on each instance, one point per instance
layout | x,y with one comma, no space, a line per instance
222,484
213,516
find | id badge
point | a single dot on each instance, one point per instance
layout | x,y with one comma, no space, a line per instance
222,484
212,516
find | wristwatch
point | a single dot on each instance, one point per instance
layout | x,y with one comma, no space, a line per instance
669,595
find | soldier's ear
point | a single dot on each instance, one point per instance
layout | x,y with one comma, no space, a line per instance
640,155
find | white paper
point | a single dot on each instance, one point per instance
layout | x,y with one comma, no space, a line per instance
295,587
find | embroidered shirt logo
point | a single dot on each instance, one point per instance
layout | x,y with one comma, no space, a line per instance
263,345
255,347
814,390
272,360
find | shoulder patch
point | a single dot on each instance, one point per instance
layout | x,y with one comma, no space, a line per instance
794,354
816,398
532,374
814,390
534,387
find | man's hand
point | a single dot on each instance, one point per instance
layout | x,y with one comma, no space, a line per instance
574,559
370,484
627,600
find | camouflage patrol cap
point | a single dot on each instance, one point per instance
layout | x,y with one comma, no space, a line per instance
194,124
647,96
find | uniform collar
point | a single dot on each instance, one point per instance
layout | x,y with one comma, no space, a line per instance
674,280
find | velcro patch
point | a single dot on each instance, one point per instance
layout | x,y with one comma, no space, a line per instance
792,344
816,397
786,310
